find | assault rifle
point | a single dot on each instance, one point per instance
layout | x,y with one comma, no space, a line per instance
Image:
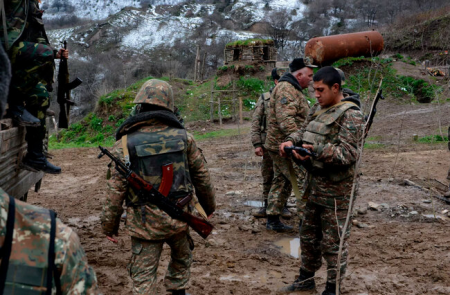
64,88
303,152
147,193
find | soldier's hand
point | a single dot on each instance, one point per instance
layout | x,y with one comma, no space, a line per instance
62,52
259,151
306,146
284,144
112,239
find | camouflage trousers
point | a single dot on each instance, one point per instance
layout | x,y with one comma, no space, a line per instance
281,184
319,237
32,75
267,173
145,260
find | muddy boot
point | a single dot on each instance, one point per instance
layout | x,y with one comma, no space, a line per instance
286,214
261,213
304,282
274,223
35,159
22,117
179,292
330,289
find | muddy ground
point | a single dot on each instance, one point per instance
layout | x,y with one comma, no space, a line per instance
400,249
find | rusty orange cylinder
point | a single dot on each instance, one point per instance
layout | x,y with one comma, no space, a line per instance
328,49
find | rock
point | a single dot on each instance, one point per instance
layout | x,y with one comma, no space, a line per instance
444,211
374,206
362,211
225,226
255,230
360,224
232,193
426,201
447,194
413,213
230,264
244,227
384,206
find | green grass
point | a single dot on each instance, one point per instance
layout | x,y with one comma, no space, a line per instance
373,146
220,133
433,139
53,144
394,85
250,42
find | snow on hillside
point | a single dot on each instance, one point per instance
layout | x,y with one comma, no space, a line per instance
95,9
145,30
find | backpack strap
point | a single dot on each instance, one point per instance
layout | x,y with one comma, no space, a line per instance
7,245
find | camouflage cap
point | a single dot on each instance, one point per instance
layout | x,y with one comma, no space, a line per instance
156,92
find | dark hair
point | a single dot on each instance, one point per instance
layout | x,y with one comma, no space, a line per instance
329,76
275,75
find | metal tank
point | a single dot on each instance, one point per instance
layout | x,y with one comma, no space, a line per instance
328,49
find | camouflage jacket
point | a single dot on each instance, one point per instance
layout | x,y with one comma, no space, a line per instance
159,225
31,241
288,110
24,22
330,181
259,119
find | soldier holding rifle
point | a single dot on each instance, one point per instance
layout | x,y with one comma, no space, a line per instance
332,133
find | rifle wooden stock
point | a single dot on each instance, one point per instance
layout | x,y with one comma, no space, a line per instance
149,194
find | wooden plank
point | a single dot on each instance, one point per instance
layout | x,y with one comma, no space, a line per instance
20,185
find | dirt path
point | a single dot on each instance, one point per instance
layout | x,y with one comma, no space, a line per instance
401,251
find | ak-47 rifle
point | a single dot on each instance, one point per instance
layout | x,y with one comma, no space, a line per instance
147,193
64,88
373,108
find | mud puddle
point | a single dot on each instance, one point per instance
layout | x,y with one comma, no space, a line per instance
289,246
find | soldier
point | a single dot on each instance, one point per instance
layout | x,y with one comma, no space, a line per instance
39,254
333,132
32,61
150,139
259,130
287,112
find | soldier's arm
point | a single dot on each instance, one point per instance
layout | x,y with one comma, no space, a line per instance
76,276
256,123
344,151
287,107
200,177
112,207
296,137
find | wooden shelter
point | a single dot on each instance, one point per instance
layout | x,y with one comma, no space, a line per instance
251,51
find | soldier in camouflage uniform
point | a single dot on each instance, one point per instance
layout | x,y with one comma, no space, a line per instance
32,61
333,132
5,78
258,133
154,137
288,110
35,246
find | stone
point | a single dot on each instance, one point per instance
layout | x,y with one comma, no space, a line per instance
444,211
374,206
362,211
413,213
426,201
225,226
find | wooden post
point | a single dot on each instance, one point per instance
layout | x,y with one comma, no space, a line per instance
212,102
234,101
197,64
202,74
219,111
240,111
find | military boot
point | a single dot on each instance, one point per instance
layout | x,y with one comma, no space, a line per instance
286,214
179,292
261,213
330,289
304,282
22,117
35,159
274,223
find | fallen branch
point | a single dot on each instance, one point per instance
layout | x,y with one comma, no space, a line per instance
432,192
